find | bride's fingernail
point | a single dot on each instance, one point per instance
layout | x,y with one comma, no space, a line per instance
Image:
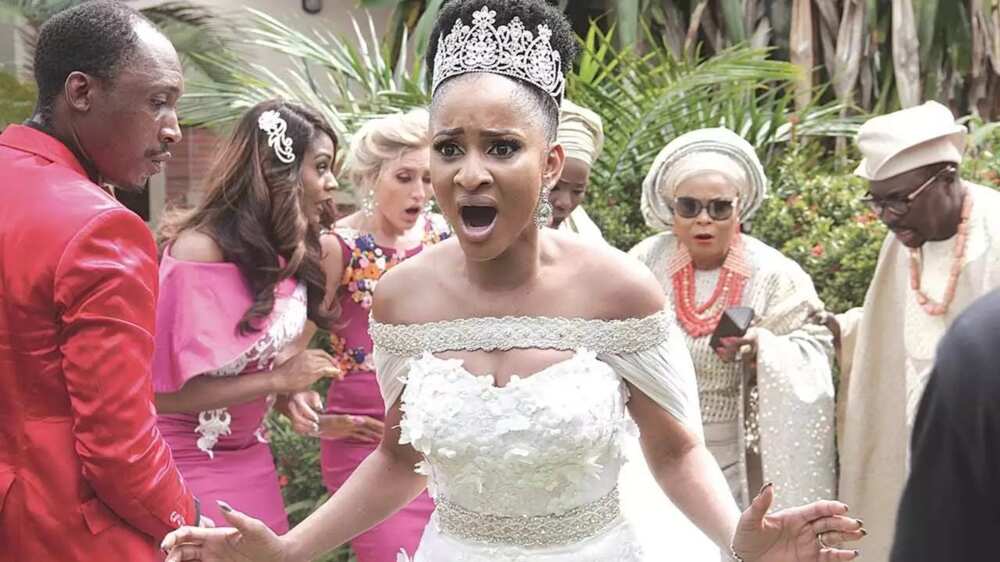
860,523
765,487
224,506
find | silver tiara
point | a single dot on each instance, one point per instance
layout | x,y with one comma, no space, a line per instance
272,123
510,50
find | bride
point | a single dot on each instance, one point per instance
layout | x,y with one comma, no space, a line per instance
512,380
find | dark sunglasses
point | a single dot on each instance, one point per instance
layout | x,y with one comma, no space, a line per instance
689,208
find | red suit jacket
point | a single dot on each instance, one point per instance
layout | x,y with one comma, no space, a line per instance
84,473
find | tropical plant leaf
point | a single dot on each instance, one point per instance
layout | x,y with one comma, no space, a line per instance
422,33
192,28
800,47
627,22
906,52
348,79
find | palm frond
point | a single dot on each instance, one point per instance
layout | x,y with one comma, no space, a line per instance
348,79
193,29
35,12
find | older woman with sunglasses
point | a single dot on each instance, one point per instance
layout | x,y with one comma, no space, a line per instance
766,396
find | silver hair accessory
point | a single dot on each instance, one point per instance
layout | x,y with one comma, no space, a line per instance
272,123
543,212
509,50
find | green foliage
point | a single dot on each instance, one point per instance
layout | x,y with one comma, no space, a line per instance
814,216
299,468
982,164
299,473
348,79
17,100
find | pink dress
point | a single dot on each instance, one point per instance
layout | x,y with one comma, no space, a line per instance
359,394
222,453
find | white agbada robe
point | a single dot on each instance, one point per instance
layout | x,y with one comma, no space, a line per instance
887,352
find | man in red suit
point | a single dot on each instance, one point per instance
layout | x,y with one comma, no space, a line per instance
84,473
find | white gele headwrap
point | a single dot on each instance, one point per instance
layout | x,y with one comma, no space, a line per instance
697,152
508,50
272,123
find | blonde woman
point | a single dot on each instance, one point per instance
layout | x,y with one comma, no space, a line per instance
387,166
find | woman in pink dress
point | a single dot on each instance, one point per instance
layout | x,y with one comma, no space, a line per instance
240,275
387,165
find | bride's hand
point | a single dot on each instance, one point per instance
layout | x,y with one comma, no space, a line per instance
248,540
810,533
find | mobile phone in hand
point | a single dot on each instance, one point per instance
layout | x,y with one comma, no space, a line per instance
734,323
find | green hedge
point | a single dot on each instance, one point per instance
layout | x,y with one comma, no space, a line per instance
299,472
817,220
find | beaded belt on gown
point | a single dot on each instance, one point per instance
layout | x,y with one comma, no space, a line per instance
550,529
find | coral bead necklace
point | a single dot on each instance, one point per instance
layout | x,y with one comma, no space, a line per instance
929,305
701,320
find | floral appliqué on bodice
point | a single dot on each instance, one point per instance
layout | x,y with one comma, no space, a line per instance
541,444
367,263
532,454
287,322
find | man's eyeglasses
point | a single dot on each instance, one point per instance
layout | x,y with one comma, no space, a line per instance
689,208
901,205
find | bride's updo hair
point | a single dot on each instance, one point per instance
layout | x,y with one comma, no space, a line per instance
532,13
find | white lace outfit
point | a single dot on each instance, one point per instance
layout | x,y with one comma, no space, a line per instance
529,471
794,421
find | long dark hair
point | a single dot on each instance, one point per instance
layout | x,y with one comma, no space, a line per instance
253,209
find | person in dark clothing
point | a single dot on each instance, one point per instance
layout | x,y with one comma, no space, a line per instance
951,506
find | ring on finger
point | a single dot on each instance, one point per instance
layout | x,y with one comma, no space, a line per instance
819,539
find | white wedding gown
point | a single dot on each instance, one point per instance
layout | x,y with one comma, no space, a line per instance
530,471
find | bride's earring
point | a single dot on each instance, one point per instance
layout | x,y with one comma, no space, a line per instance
543,212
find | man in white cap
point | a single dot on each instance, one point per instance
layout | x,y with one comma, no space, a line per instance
943,253
582,136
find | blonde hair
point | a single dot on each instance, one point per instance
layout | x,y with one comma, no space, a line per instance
379,141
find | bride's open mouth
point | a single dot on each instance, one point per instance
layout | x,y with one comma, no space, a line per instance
478,220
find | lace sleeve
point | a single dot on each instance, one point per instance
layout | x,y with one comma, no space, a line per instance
390,369
666,374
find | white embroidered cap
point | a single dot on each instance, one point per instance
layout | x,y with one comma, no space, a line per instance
908,139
